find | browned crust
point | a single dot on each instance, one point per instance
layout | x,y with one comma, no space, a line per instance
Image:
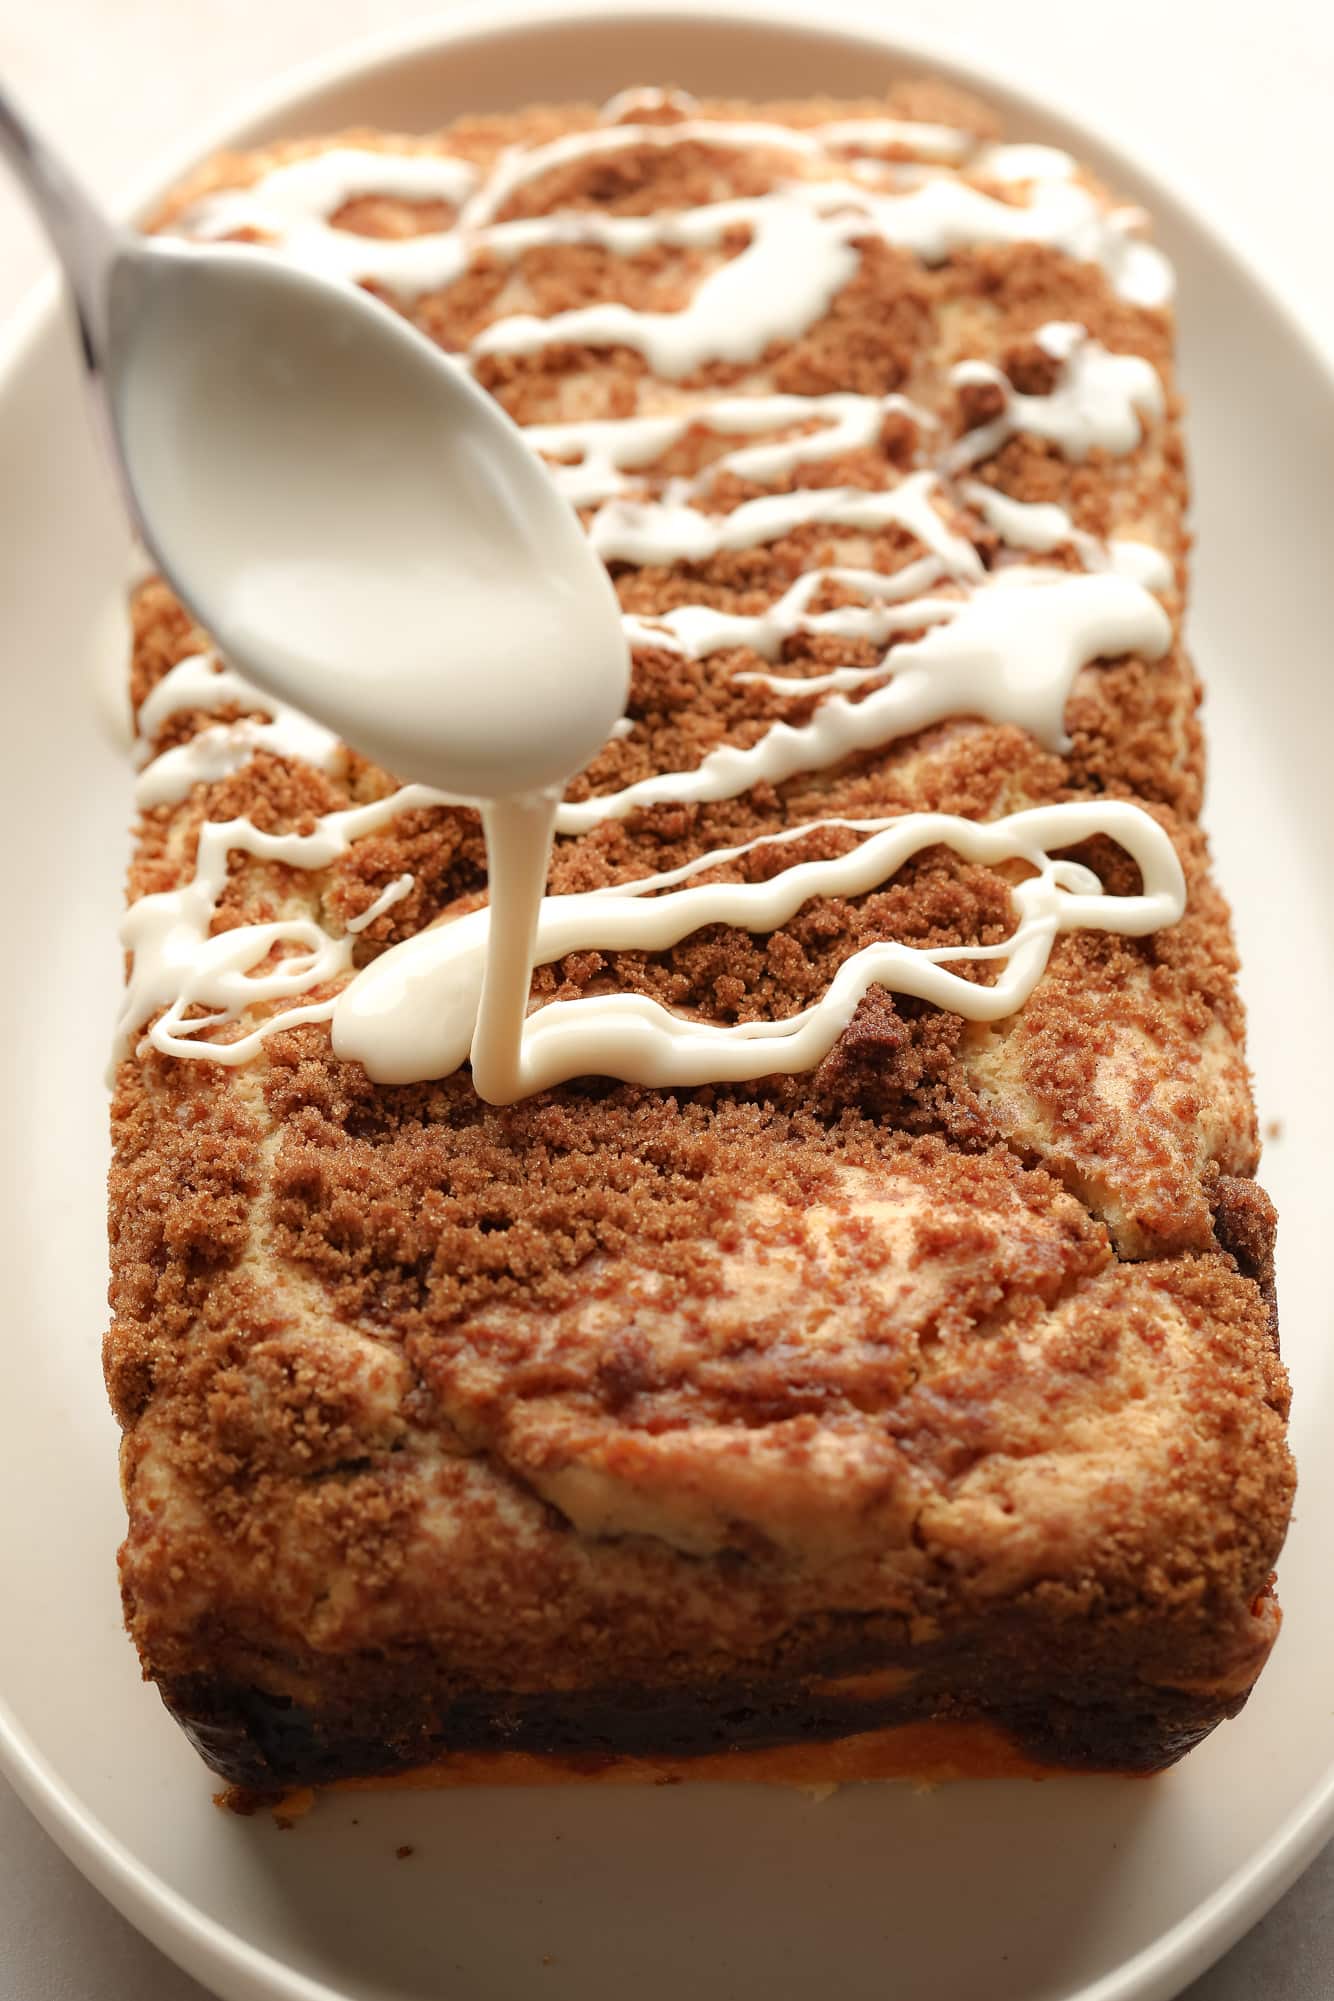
1010,1698
926,1754
965,1344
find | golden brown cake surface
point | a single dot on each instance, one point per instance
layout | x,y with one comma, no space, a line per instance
939,1383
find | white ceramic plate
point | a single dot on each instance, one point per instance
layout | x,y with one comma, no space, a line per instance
1099,1889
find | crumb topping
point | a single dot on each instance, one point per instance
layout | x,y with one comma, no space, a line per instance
973,1314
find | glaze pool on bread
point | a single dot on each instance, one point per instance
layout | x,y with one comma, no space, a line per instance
933,1389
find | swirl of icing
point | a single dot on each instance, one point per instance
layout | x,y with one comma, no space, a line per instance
957,642
412,1014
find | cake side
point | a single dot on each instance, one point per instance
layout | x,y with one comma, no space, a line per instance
940,1384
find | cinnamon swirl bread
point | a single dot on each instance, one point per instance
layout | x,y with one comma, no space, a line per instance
912,1404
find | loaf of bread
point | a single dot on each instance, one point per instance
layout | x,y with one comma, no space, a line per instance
916,1412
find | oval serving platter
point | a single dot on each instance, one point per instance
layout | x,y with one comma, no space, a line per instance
1073,1890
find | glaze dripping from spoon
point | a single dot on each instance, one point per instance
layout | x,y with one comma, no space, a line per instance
362,530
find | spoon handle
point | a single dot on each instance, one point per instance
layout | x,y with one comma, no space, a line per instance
84,239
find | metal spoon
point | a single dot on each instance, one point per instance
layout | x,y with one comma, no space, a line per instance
359,527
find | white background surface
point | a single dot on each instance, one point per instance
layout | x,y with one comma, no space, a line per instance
1231,101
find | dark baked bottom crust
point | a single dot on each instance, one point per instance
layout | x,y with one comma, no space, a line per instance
1032,1710
264,1745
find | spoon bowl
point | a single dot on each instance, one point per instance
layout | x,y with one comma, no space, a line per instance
345,511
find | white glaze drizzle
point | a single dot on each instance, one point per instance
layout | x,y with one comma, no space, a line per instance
802,235
697,630
802,252
988,655
917,138
1100,400
605,449
177,964
1024,162
1009,646
786,278
520,165
668,531
412,1013
1042,526
202,682
921,138
400,887
621,108
292,204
